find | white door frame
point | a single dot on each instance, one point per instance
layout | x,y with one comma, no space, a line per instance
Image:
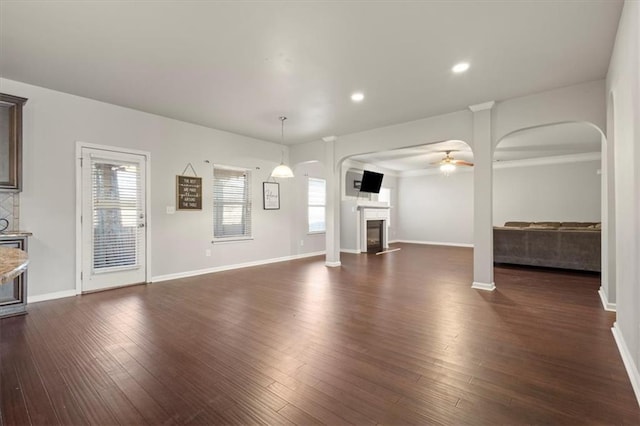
79,146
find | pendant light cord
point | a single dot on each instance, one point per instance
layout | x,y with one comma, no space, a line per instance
282,118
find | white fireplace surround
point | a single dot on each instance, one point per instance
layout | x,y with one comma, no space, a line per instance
372,210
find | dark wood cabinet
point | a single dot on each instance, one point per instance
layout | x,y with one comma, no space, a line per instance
11,142
13,295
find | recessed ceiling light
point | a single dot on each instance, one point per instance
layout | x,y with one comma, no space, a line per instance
357,97
461,67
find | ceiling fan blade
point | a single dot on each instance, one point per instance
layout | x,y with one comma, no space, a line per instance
462,163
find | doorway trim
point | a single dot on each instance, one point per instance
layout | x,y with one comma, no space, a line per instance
78,161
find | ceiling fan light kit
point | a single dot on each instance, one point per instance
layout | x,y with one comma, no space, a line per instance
447,168
448,163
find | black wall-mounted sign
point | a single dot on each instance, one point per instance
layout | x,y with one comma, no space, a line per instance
188,193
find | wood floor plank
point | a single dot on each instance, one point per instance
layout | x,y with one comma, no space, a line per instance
42,411
14,408
88,399
167,397
64,404
324,408
394,339
297,416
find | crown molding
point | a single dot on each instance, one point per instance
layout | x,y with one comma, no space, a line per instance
330,138
529,162
543,161
433,171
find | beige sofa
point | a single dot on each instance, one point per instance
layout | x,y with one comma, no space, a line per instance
567,245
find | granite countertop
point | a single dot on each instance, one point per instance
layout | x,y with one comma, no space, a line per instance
13,262
13,234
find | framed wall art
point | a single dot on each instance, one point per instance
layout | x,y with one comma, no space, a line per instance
271,195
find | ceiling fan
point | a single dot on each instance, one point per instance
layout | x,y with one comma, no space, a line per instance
448,163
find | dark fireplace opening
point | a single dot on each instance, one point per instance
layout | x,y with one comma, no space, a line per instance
374,236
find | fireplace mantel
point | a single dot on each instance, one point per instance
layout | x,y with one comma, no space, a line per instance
373,205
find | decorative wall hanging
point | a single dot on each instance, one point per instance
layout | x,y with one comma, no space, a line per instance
271,195
188,191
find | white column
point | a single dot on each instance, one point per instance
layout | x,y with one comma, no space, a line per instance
482,198
332,176
607,290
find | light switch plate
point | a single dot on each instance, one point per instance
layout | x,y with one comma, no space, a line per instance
171,209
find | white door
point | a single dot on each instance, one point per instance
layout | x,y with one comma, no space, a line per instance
113,219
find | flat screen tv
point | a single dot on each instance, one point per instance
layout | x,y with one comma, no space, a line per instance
371,182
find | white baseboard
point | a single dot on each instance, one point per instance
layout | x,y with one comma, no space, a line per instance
434,243
51,296
483,286
333,264
606,304
187,274
343,250
627,359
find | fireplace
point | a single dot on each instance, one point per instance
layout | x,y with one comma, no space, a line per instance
373,227
374,235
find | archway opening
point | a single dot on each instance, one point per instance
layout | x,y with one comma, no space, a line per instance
427,205
547,198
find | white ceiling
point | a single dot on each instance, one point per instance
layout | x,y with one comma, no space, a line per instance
549,141
237,66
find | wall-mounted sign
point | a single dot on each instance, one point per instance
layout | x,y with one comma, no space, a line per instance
188,193
271,195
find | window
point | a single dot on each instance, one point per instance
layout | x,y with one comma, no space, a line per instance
231,203
317,200
116,206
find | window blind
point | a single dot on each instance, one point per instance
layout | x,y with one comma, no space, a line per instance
116,204
231,203
317,205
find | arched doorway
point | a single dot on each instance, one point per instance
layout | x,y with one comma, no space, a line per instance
428,205
553,176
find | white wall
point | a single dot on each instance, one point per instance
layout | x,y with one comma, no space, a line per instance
54,121
578,103
623,87
567,192
436,208
439,209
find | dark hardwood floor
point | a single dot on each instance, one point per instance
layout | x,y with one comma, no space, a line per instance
394,339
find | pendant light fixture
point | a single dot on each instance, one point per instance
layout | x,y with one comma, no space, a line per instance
282,171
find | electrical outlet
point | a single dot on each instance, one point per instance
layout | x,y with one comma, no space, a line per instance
301,242
207,252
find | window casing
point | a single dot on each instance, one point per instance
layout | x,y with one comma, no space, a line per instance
317,205
231,203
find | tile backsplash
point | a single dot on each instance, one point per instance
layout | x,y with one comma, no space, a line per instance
10,209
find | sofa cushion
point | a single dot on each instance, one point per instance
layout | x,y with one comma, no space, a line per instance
577,224
516,224
540,226
577,228
548,224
